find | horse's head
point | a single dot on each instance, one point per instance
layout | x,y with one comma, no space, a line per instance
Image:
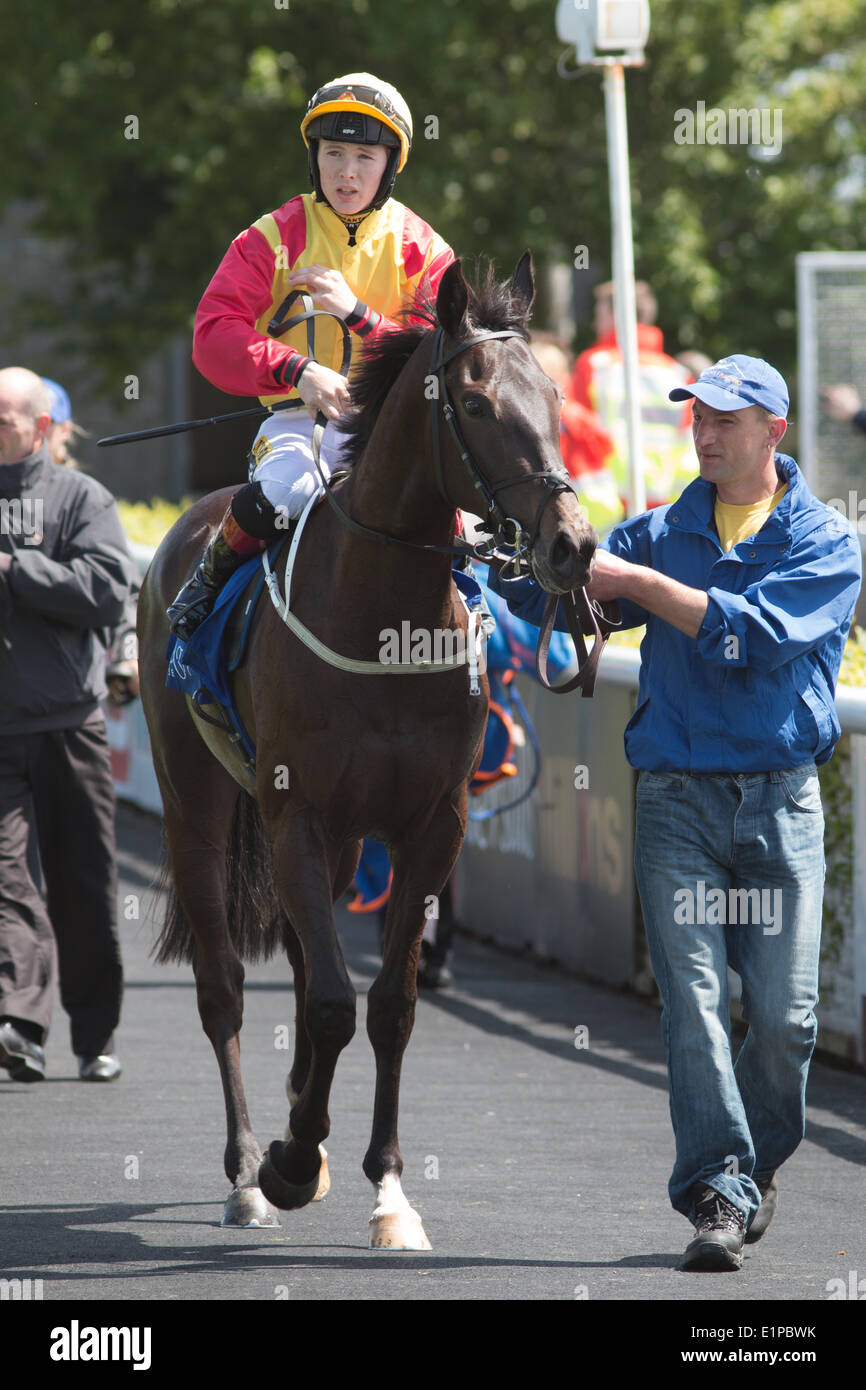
504,427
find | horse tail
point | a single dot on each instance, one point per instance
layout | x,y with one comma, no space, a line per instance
255,914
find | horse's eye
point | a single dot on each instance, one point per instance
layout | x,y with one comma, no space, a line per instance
473,406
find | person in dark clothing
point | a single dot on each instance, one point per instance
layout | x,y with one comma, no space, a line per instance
65,581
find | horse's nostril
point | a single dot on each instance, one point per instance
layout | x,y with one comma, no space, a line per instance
561,553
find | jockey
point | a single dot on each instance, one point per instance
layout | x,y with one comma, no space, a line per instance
359,254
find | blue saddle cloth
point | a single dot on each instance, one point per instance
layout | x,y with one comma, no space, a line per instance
199,667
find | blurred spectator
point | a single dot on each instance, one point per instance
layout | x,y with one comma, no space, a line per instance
586,445
65,576
63,429
598,384
843,403
694,362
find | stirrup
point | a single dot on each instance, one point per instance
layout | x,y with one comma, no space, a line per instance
187,614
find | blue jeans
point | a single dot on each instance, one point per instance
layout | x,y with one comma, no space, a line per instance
730,871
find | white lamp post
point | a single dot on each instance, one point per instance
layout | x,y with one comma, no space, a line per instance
611,34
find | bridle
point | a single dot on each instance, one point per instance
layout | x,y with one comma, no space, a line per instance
503,530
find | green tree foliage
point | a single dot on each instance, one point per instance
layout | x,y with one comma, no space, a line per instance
507,153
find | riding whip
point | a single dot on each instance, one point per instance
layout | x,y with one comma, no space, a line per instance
278,325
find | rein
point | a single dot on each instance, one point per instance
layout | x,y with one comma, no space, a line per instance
580,612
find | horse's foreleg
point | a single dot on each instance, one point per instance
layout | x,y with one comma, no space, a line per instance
290,1175
421,870
297,1077
303,1055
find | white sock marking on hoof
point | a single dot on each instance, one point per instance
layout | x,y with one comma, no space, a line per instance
395,1225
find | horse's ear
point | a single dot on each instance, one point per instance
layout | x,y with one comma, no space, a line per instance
523,282
452,301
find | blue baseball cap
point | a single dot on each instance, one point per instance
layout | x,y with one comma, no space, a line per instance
737,382
61,410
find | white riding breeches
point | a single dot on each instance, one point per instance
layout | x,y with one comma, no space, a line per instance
284,463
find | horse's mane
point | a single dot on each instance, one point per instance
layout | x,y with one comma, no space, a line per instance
491,306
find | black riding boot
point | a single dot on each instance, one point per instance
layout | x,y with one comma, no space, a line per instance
198,596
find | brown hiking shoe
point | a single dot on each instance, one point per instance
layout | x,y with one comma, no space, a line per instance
719,1233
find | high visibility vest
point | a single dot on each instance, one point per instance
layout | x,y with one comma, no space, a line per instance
587,450
669,459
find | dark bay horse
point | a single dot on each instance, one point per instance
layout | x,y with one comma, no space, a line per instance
259,863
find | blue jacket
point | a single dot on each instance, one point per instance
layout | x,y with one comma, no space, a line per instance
753,692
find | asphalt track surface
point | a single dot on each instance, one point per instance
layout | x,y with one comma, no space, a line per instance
539,1167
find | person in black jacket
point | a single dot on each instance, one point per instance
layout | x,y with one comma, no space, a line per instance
65,580
121,671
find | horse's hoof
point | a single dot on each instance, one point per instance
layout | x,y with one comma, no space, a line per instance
395,1225
247,1206
397,1233
283,1194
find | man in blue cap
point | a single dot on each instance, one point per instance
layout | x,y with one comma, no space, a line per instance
747,585
63,431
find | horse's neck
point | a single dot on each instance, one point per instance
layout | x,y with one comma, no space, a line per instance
395,487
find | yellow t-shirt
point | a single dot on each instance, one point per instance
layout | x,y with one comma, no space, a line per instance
736,523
